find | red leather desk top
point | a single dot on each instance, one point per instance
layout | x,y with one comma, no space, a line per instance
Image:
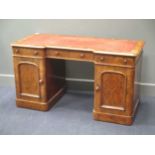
81,43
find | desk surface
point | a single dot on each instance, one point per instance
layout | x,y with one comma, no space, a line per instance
96,45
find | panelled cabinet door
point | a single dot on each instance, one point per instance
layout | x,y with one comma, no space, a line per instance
29,78
111,84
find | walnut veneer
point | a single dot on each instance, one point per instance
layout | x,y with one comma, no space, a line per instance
39,67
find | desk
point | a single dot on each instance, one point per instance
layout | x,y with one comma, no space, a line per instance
39,67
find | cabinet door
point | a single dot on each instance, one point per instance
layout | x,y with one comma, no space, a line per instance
111,86
29,75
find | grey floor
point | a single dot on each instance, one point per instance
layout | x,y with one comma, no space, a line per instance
71,115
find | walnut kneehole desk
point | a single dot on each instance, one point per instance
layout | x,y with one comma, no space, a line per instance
39,67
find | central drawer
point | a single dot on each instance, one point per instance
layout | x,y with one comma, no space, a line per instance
69,54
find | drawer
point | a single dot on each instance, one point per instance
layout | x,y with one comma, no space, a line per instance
69,54
114,60
28,52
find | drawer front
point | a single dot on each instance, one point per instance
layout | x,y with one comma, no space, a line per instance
114,60
70,55
28,52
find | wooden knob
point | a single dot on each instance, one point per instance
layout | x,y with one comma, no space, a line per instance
97,87
82,55
40,81
125,61
35,52
57,53
101,58
17,51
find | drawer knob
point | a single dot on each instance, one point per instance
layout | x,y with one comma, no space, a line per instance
82,55
102,58
57,53
125,61
97,88
17,51
41,81
35,52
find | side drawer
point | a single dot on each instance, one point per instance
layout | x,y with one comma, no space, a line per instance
114,60
28,52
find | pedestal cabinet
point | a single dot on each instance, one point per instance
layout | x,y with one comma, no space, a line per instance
39,81
39,65
116,91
